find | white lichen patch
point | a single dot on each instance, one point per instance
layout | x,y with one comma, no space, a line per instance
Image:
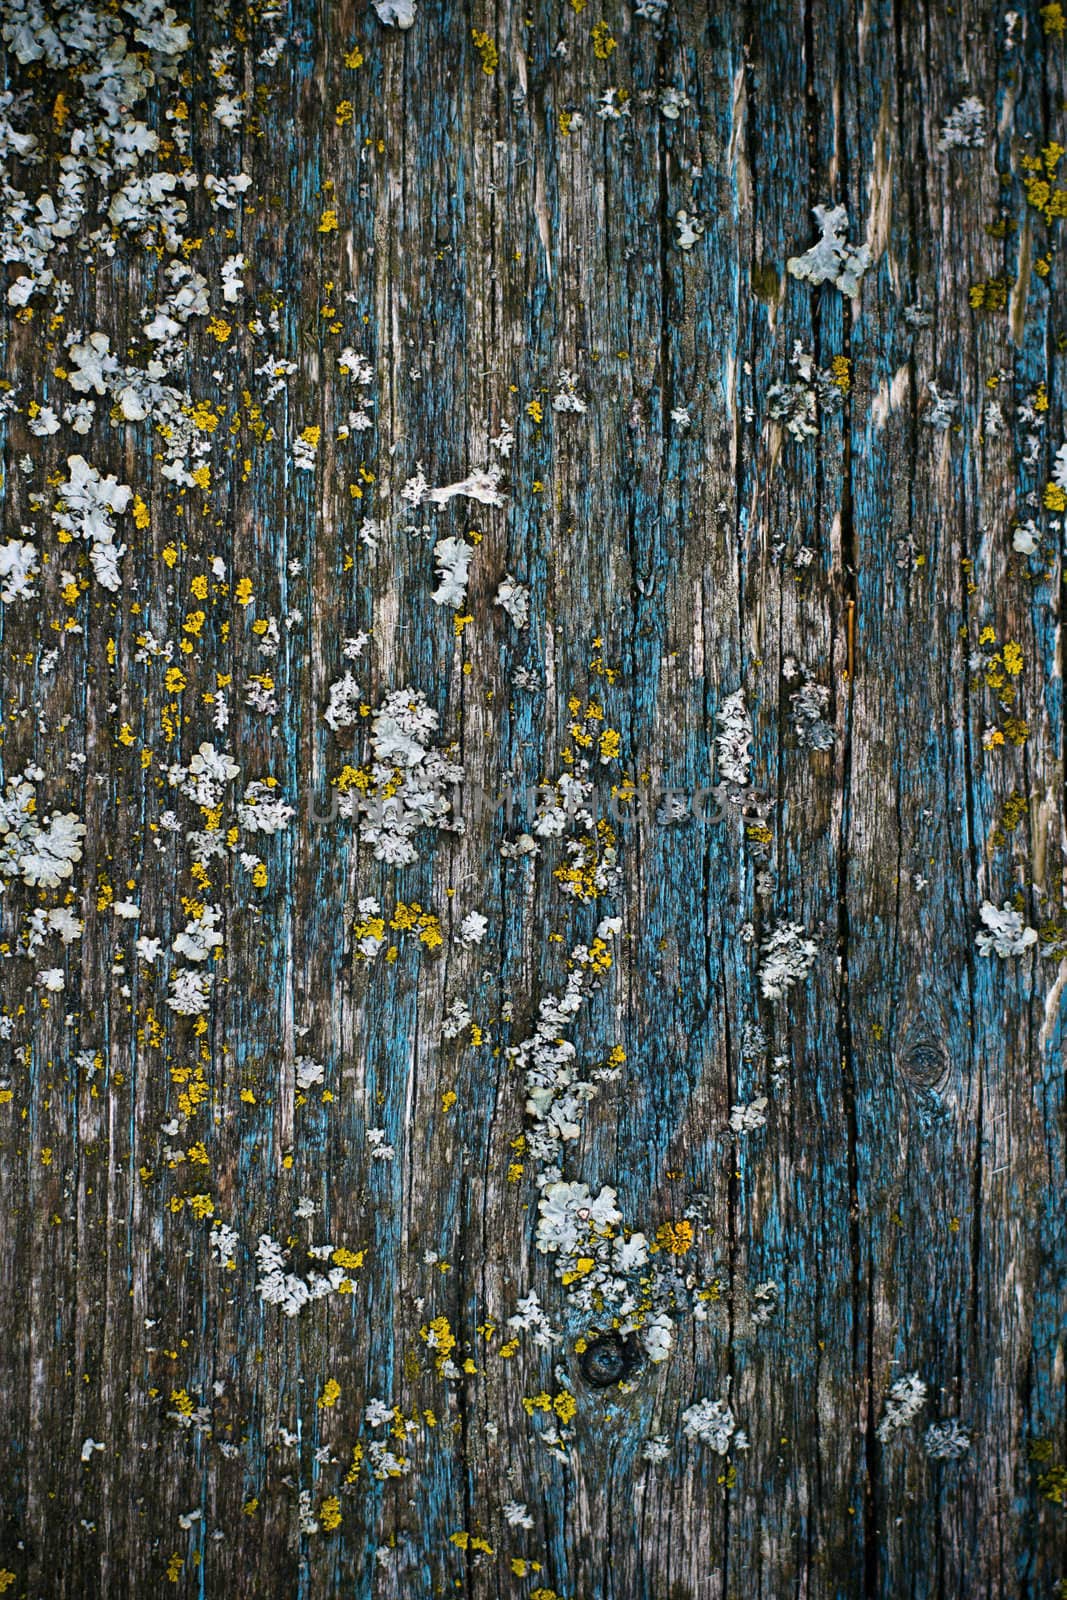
831,258
714,1424
747,1118
512,596
39,849
86,509
483,486
690,228
345,700
798,402
452,558
19,565
946,1441
1004,934
787,955
278,1285
733,739
406,785
965,127
395,13
906,1398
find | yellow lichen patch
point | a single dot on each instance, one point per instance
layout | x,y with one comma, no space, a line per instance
412,918
203,417
600,957
194,1088
182,1402
350,1260
1041,170
841,373
470,1541
989,296
603,43
487,51
441,1340
1016,808
675,1237
330,1395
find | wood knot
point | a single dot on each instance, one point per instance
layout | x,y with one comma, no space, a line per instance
924,1062
608,1359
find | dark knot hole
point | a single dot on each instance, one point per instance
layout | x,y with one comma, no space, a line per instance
608,1359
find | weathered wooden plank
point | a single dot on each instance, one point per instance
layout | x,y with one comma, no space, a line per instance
573,227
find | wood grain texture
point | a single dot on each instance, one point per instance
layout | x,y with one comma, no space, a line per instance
905,1195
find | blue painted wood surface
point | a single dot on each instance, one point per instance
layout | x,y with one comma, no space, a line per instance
477,204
